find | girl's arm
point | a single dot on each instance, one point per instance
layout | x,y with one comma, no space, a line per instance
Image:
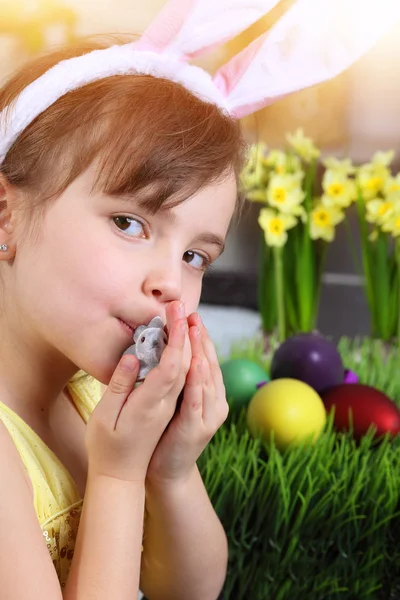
26,569
185,547
106,562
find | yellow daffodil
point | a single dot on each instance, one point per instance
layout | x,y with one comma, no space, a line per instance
285,193
277,160
379,211
254,174
383,158
255,155
392,186
275,226
259,195
372,179
373,236
339,190
303,146
344,167
323,220
392,225
283,162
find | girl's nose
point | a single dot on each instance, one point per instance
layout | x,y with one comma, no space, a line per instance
164,284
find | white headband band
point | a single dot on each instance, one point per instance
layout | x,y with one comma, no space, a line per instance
74,73
314,41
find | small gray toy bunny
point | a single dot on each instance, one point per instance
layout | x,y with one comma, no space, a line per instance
150,341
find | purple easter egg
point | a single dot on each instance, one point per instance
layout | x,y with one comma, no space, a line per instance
311,358
260,384
350,377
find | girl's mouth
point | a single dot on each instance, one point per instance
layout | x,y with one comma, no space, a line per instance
129,330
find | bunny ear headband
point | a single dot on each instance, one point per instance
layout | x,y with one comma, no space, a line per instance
313,41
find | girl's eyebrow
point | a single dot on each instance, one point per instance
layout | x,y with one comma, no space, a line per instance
206,237
211,238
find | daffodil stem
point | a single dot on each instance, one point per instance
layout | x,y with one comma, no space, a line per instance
307,290
366,260
356,261
280,292
318,282
397,253
266,291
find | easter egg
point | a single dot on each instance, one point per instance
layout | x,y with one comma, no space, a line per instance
311,358
289,408
350,377
241,377
368,406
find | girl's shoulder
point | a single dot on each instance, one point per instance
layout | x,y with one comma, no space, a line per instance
11,458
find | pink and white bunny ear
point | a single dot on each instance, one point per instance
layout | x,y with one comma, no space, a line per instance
188,28
314,41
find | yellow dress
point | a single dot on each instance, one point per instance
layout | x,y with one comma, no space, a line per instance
56,499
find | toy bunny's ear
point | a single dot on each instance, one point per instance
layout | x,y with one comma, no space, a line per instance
314,41
187,28
138,332
156,322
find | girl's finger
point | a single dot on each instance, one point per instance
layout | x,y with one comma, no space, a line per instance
191,409
174,312
198,351
210,354
209,392
118,390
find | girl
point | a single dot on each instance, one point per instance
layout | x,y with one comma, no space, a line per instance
113,202
118,182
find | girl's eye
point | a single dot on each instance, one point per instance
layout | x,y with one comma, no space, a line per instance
196,260
131,226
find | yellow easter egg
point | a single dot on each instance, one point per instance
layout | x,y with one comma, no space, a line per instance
290,408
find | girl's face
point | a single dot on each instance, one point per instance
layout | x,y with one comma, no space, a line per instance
102,266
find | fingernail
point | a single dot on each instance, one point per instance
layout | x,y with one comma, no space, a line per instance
184,327
128,364
181,310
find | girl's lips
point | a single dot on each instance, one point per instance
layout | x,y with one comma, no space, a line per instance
127,328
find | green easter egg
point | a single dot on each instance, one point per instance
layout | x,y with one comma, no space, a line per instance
241,377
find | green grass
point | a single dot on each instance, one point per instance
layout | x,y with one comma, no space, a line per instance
319,522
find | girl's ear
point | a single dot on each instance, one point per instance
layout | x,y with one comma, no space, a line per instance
7,205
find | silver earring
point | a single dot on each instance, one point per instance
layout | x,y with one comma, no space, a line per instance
4,247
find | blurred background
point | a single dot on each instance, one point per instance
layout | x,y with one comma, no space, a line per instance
353,115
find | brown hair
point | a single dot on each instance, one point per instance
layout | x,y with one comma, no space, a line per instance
150,137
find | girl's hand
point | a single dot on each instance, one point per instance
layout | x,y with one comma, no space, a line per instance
203,410
128,422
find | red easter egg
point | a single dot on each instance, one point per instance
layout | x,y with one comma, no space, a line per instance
368,406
